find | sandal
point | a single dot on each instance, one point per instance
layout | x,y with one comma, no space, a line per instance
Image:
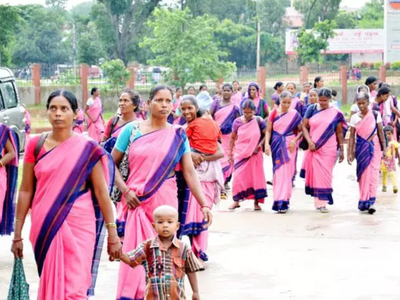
257,207
234,206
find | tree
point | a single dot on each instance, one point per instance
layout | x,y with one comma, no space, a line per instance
314,11
346,20
9,20
127,19
59,4
312,42
42,39
371,15
90,49
82,9
271,14
191,54
117,73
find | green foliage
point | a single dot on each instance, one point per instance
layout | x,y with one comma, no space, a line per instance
395,65
312,42
9,20
125,20
346,20
314,11
82,9
59,4
238,10
357,65
41,38
186,45
238,40
377,65
117,73
271,15
371,15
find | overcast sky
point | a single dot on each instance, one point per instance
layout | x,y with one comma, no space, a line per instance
71,3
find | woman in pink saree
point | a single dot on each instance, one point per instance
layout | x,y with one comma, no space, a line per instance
367,126
9,151
253,92
155,148
68,208
79,121
211,178
246,153
285,130
237,95
94,112
224,112
324,128
128,105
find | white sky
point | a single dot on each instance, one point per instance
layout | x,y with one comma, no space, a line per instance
71,3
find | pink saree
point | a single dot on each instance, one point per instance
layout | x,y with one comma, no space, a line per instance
225,116
319,165
237,98
8,181
78,123
96,128
248,175
284,162
66,219
151,178
368,156
212,181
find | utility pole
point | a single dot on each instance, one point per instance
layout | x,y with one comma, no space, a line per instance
258,42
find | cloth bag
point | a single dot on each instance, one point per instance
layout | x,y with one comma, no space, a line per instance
123,168
19,288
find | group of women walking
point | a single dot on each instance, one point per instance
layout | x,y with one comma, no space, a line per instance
154,160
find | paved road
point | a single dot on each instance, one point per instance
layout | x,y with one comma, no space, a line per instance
301,255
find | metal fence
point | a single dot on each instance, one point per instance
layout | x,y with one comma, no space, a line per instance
23,75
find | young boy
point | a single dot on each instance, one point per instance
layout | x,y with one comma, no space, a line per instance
165,259
388,166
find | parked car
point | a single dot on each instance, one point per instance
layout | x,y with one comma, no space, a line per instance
12,113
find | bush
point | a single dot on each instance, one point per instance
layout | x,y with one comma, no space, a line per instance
371,66
357,65
395,65
364,65
377,65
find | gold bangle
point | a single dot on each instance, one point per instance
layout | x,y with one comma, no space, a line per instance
2,165
108,225
16,220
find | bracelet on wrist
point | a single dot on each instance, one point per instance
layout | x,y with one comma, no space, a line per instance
203,206
112,243
1,164
17,240
108,225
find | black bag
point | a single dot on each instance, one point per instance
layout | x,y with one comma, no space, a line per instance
303,144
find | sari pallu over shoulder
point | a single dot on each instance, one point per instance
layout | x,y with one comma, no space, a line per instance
110,143
248,182
364,152
317,169
280,154
7,210
147,172
225,116
56,193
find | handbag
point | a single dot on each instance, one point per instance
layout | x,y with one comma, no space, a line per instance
303,144
19,288
123,167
